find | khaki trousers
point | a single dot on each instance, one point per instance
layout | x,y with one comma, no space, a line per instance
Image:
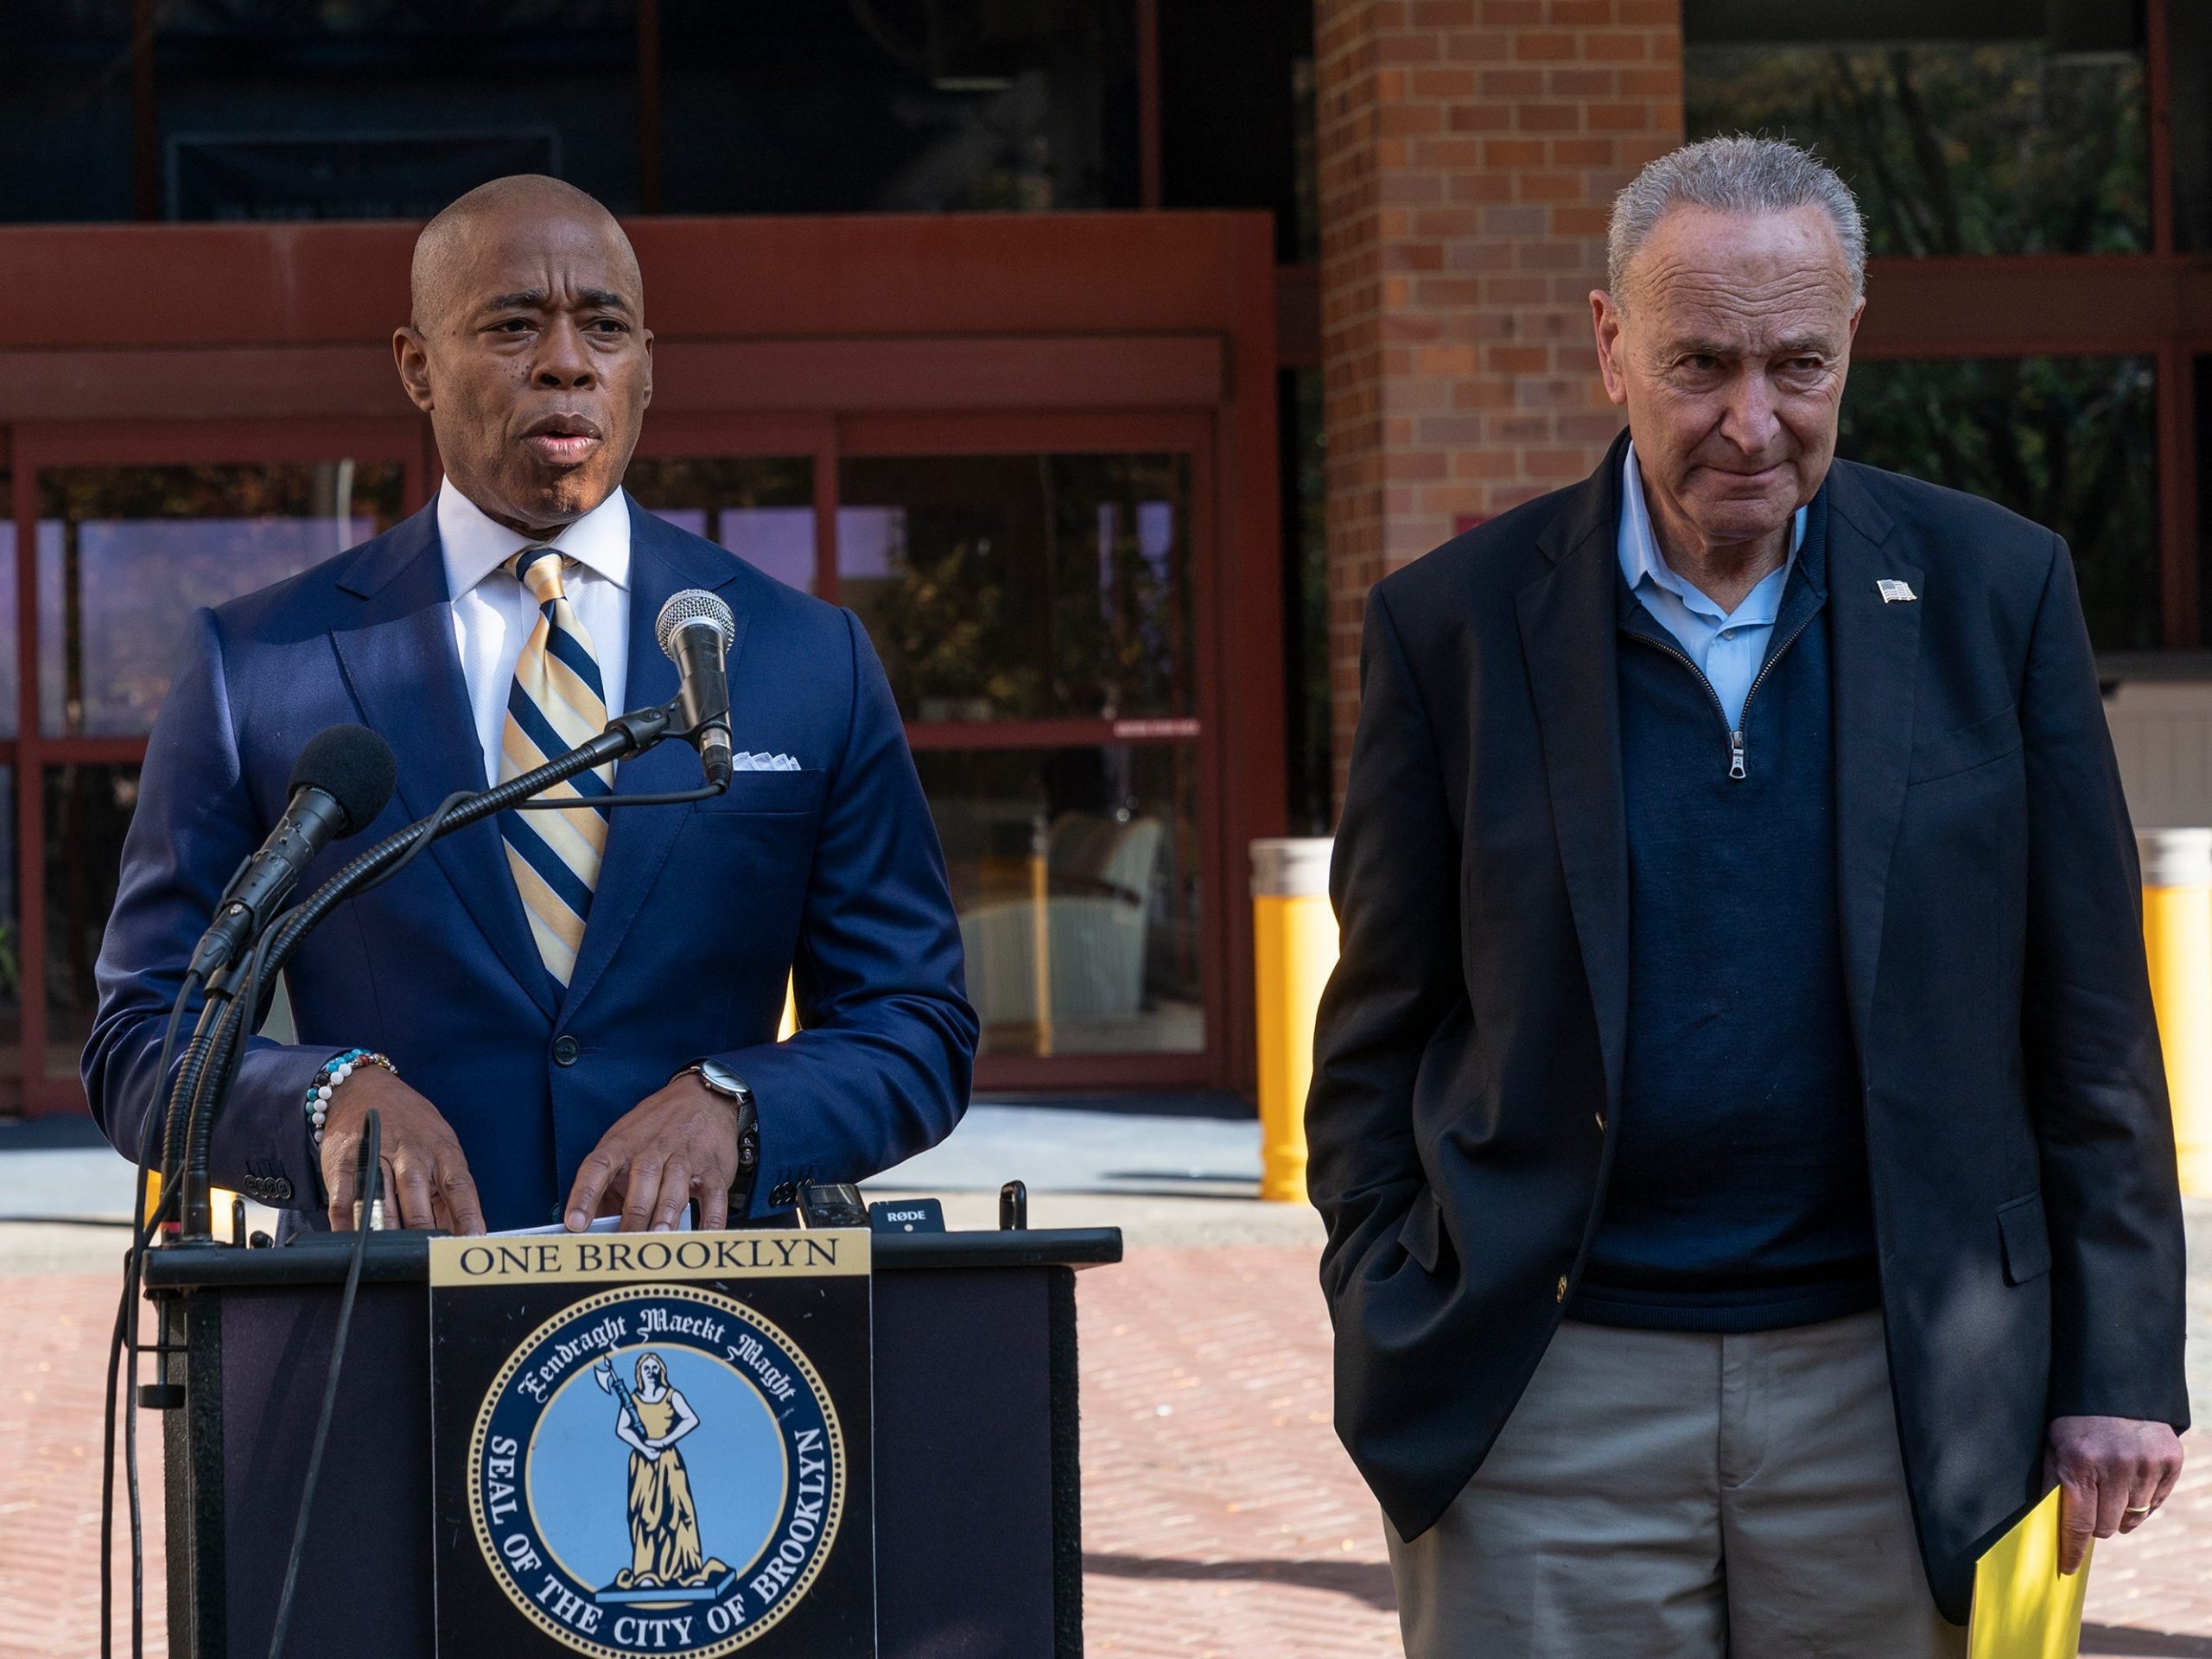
1664,1495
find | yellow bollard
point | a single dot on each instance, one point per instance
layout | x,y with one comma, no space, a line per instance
1294,948
2177,938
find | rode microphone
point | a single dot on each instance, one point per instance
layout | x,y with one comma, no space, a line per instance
695,630
340,782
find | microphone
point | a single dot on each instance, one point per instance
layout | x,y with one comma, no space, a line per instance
695,630
341,781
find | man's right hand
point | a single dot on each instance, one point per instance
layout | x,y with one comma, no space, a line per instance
426,1179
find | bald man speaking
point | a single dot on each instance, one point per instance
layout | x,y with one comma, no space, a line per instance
556,1015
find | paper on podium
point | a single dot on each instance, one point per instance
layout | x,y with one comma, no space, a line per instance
2023,1608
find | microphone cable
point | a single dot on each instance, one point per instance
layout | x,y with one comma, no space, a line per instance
370,1171
124,1340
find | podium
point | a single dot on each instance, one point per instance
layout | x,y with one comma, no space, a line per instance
977,1496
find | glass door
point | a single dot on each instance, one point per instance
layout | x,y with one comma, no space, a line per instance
1036,589
117,535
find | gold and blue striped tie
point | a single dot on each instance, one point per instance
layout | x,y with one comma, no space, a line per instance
557,702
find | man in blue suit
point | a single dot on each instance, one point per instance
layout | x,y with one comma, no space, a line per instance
558,1015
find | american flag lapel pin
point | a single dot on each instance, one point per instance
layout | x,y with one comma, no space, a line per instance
1895,592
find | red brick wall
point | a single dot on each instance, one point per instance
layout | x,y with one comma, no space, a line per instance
1470,150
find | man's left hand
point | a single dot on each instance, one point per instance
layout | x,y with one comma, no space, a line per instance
668,1148
2112,1473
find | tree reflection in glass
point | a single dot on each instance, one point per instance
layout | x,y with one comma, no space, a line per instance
1952,147
2068,442
1023,587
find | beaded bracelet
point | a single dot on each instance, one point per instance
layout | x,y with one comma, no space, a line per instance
335,1071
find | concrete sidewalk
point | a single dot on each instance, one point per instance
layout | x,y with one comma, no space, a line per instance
1164,1179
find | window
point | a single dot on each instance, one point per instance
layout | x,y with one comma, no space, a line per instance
1033,615
831,106
1236,114
1013,587
126,553
2068,442
1075,872
65,110
761,509
1964,126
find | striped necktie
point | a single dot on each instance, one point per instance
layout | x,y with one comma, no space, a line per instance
555,702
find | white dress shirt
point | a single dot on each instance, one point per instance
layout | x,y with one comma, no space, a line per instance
1729,647
493,614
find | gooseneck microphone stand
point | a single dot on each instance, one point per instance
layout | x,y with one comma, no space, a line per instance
185,1120
203,1082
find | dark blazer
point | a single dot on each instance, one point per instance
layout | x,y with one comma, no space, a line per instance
1468,1056
832,873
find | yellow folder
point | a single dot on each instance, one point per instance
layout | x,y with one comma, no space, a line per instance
2023,1608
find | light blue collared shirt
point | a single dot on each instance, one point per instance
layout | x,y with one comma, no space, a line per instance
1727,646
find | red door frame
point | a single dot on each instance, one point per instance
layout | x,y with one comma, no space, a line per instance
818,336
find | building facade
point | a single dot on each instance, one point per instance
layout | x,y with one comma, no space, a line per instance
1099,353
2038,183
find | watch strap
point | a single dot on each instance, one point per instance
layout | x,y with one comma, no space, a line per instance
748,1136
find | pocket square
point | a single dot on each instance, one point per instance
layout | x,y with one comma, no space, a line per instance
748,761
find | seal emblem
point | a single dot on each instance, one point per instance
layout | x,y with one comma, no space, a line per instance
656,1470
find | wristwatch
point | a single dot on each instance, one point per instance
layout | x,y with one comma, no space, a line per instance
731,1087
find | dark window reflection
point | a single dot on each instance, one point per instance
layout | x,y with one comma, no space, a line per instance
1075,875
1306,603
65,110
1964,127
87,812
761,509
1010,586
2189,98
2068,442
125,554
897,106
1236,111
389,109
9,688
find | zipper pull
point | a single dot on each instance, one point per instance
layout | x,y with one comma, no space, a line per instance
1736,755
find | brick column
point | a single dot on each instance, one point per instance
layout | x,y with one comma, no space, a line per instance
1470,150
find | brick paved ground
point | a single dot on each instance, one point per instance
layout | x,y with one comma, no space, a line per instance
1221,1517
54,1335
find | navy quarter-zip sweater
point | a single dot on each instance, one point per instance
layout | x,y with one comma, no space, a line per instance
1737,1198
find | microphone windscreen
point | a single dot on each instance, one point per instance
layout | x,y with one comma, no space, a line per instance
693,605
352,766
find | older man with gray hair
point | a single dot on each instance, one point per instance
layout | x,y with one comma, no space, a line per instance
1738,1109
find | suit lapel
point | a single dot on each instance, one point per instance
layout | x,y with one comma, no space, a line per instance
662,560
1569,626
1874,652
400,659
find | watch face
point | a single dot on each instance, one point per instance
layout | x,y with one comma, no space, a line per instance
722,1080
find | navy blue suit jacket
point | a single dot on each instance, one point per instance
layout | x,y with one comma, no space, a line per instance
832,874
